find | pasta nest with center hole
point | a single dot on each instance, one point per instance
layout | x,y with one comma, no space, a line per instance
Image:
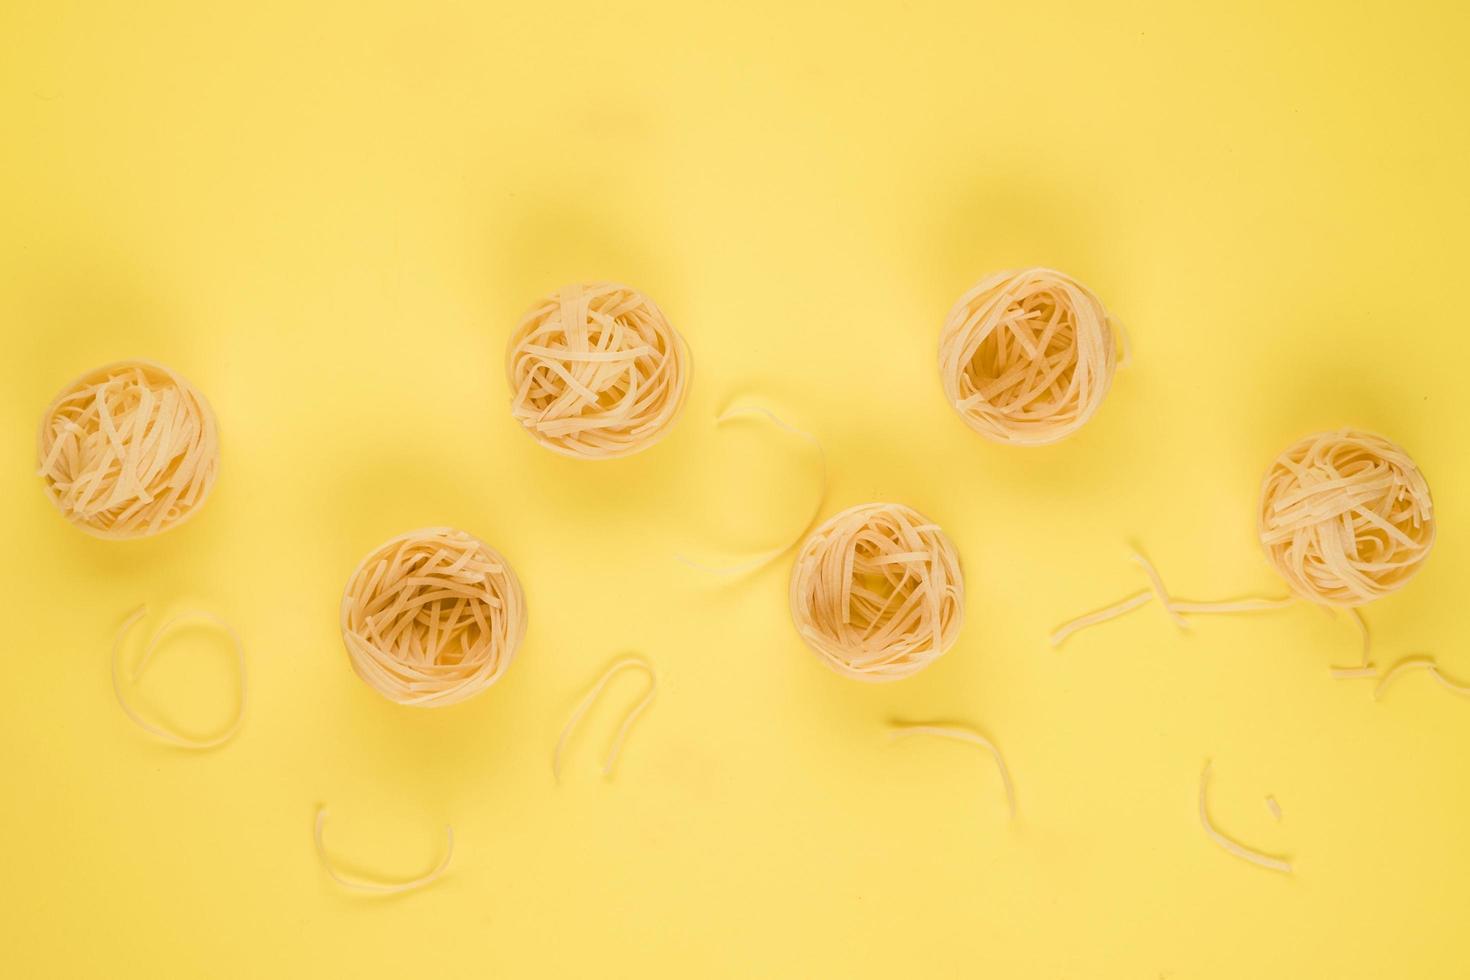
1345,517
1027,357
128,450
432,617
877,592
596,371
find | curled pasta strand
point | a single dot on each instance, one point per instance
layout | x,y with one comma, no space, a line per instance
970,736
154,642
1239,850
590,698
1420,663
766,557
373,886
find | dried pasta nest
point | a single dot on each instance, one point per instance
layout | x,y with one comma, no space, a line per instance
1345,517
877,592
1027,357
596,371
128,450
432,617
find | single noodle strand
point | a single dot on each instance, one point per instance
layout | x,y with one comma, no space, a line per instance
1420,663
380,887
1239,850
961,734
1026,357
154,641
765,557
636,663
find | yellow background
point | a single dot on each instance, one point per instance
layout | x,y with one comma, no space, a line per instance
330,215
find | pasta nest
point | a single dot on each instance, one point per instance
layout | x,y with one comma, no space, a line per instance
1027,357
432,617
1345,517
129,450
596,371
877,592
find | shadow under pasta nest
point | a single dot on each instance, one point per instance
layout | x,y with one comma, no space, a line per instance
98,303
1006,220
544,244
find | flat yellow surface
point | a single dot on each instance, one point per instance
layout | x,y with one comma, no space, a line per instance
329,217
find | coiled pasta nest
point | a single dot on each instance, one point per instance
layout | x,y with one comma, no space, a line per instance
1027,357
1345,517
432,617
596,371
877,592
128,450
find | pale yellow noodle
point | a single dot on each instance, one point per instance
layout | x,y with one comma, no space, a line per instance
636,663
1420,663
1364,669
1399,669
877,592
1274,807
1345,517
1027,357
1445,682
766,557
1177,608
432,617
154,641
1161,593
1101,616
128,450
971,736
380,887
1239,850
596,371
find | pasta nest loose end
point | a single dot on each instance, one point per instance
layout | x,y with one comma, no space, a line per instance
1345,517
1027,357
432,617
128,450
596,371
877,592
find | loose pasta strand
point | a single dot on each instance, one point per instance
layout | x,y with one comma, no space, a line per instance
380,887
1103,615
1160,592
1365,669
960,734
766,557
1179,609
590,698
1420,663
1239,850
154,641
